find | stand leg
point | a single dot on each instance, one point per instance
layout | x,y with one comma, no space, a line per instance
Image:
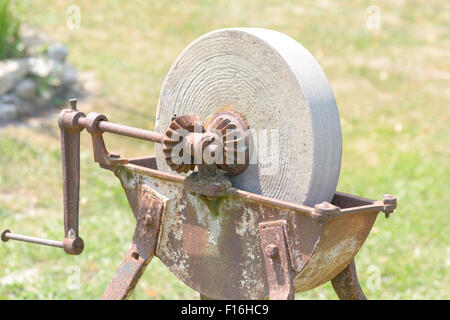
346,284
141,250
126,277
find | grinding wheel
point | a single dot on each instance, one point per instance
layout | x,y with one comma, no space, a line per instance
280,90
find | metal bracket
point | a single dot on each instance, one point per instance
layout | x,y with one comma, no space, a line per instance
275,248
213,185
141,251
390,203
104,158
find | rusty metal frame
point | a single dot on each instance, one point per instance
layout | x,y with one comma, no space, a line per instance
344,206
346,284
141,251
277,258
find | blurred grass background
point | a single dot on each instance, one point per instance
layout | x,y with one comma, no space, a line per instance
392,87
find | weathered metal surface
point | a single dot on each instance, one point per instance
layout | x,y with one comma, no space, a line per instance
213,244
341,239
223,143
346,284
338,244
70,156
277,259
188,130
235,141
141,250
207,187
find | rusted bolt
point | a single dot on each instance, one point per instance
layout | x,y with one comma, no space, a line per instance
326,208
325,205
390,200
148,220
271,251
73,104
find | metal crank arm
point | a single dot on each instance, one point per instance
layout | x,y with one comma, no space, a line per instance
141,251
71,123
70,152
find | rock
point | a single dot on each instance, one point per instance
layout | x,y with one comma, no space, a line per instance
26,89
33,39
56,73
27,108
21,107
63,74
11,72
9,98
69,76
8,112
41,104
40,66
47,94
57,52
38,82
35,50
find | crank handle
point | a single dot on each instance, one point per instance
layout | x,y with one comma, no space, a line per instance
72,245
71,122
70,154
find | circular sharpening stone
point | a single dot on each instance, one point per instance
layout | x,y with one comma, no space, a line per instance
279,89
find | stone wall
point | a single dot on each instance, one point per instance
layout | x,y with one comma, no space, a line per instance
41,80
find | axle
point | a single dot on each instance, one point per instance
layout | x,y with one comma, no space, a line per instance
120,129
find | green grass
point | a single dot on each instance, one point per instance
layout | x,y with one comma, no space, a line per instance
9,29
391,87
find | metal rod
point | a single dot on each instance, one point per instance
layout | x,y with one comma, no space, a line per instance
7,235
366,208
123,130
130,131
